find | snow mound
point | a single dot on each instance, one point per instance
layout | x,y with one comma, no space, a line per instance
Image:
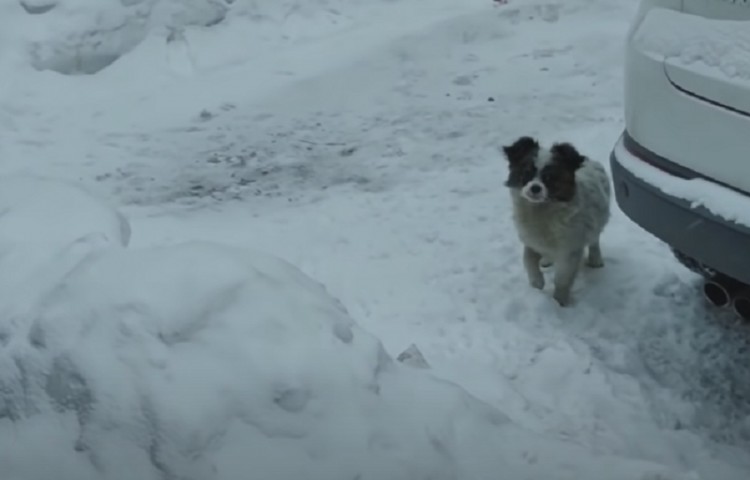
40,219
35,209
201,361
75,37
85,36
162,352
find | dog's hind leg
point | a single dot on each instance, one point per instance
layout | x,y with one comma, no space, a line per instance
594,259
531,259
566,270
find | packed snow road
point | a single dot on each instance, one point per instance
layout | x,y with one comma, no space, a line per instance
363,149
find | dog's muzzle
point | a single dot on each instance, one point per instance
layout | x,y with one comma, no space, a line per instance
535,192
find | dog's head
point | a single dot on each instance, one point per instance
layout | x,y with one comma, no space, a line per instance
542,175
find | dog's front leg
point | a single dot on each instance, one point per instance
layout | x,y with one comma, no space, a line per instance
566,270
595,259
531,259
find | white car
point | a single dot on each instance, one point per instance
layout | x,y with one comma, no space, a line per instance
681,169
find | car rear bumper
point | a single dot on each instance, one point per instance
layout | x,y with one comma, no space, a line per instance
717,243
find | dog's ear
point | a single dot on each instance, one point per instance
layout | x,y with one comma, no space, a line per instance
520,149
567,155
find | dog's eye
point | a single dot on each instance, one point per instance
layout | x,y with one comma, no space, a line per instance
528,174
549,176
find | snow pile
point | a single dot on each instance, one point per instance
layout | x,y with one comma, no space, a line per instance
82,36
76,37
200,361
41,219
722,45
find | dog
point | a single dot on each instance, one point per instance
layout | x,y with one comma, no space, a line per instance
561,204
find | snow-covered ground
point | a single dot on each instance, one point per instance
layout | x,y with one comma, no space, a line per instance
358,141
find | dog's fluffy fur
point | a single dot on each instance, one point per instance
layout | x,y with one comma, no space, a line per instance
561,204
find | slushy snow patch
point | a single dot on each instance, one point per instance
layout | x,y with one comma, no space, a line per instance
200,361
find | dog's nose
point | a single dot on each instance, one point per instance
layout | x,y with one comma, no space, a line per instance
536,189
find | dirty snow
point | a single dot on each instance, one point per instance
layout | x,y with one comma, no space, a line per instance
358,142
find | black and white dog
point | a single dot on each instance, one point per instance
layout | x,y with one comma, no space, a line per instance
561,204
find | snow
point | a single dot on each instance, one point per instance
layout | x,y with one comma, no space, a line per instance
357,141
37,227
725,203
721,47
199,360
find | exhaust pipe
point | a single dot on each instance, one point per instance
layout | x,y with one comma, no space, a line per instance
741,304
720,291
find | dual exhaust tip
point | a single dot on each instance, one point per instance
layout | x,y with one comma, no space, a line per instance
722,291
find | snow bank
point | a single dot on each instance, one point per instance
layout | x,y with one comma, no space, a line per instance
40,220
722,45
41,210
76,37
84,36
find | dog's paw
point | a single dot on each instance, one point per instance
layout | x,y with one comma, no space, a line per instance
537,282
594,262
562,297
